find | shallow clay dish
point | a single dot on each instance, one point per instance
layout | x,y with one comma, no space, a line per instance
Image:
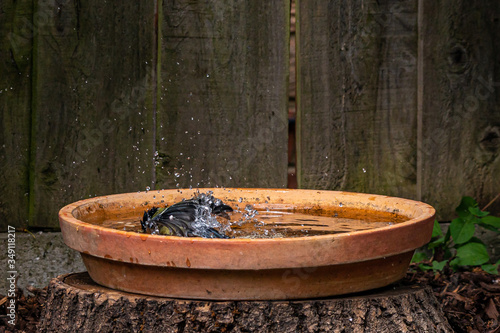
246,269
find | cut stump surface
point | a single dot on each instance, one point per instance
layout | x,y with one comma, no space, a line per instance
76,304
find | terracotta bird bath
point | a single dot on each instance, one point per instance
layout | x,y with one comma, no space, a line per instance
241,268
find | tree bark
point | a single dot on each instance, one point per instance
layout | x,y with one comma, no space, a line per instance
76,304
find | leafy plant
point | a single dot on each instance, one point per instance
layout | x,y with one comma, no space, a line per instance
458,246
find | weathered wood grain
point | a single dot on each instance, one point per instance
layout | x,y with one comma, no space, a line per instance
80,117
461,98
74,298
93,96
16,32
356,95
222,111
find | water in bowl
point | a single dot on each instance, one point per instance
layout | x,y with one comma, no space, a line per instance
272,221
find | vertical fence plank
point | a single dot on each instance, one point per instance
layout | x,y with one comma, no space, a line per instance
222,116
93,115
461,117
356,95
15,107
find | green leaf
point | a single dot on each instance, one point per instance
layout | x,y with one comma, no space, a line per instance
438,266
477,212
436,243
476,240
419,256
491,220
489,268
436,231
447,236
489,227
472,254
447,253
461,230
454,264
463,209
424,267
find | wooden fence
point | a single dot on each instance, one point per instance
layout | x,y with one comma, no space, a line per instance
393,97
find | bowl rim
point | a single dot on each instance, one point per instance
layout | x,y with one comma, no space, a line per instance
91,239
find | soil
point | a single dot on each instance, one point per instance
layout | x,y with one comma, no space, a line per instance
469,299
29,309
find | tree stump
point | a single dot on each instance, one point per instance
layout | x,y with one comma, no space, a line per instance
76,304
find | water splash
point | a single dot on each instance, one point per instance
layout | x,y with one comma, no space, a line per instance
194,217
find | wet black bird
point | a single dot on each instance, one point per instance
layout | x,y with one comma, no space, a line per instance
187,218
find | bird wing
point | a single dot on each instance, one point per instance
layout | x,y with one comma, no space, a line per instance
178,218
